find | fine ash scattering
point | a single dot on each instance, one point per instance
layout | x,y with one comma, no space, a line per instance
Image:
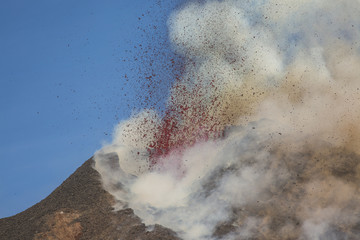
79,209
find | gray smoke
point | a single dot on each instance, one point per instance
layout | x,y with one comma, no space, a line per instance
280,81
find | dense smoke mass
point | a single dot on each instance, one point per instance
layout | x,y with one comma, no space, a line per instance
260,139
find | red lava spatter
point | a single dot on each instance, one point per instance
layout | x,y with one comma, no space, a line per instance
187,121
186,118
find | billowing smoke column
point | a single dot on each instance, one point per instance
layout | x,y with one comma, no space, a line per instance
261,138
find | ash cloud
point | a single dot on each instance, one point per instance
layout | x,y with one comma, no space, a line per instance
261,136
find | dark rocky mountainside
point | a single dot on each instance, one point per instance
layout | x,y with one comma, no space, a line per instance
79,209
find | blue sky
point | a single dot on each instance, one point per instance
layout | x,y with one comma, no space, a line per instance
63,87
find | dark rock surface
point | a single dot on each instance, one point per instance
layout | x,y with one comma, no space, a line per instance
79,209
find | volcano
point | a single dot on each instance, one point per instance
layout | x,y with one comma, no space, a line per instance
79,209
259,137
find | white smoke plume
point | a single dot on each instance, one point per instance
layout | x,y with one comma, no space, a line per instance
261,139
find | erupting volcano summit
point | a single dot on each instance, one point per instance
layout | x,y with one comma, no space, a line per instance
260,137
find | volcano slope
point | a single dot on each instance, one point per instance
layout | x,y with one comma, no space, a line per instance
79,209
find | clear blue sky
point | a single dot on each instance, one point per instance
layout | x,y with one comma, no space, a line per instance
63,87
